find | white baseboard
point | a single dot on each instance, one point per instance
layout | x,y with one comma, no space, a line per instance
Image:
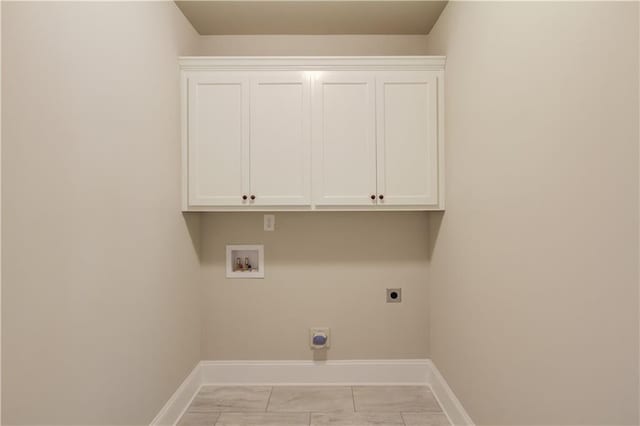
447,399
180,400
419,372
364,372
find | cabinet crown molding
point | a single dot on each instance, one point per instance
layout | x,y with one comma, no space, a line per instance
311,63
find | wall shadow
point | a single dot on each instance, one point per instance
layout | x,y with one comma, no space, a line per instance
193,222
435,222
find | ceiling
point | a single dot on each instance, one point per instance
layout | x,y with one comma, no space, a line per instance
236,17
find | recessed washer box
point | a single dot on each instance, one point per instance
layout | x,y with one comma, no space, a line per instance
245,261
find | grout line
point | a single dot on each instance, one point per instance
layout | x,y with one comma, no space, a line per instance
353,399
266,409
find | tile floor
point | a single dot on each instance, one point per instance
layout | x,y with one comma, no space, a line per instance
314,405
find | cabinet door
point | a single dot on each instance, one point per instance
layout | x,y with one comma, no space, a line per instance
280,146
218,139
344,138
407,138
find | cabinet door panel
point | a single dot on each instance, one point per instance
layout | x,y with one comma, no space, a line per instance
280,139
218,139
407,138
344,138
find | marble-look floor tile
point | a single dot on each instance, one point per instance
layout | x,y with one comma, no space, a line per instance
231,398
394,399
425,419
263,419
356,419
311,398
191,418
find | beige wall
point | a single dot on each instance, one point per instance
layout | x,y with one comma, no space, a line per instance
308,45
532,296
534,273
100,319
322,270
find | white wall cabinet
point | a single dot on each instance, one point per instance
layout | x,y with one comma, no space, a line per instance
344,138
407,138
218,146
321,133
248,134
280,139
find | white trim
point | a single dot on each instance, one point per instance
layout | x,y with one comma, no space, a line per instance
315,208
401,372
184,142
313,63
441,124
349,372
213,1
180,400
450,404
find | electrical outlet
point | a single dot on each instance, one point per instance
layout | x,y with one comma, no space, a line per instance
394,295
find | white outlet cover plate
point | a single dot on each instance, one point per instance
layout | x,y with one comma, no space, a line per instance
269,222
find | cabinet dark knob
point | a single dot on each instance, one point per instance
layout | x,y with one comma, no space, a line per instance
253,197
373,197
381,196
244,197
